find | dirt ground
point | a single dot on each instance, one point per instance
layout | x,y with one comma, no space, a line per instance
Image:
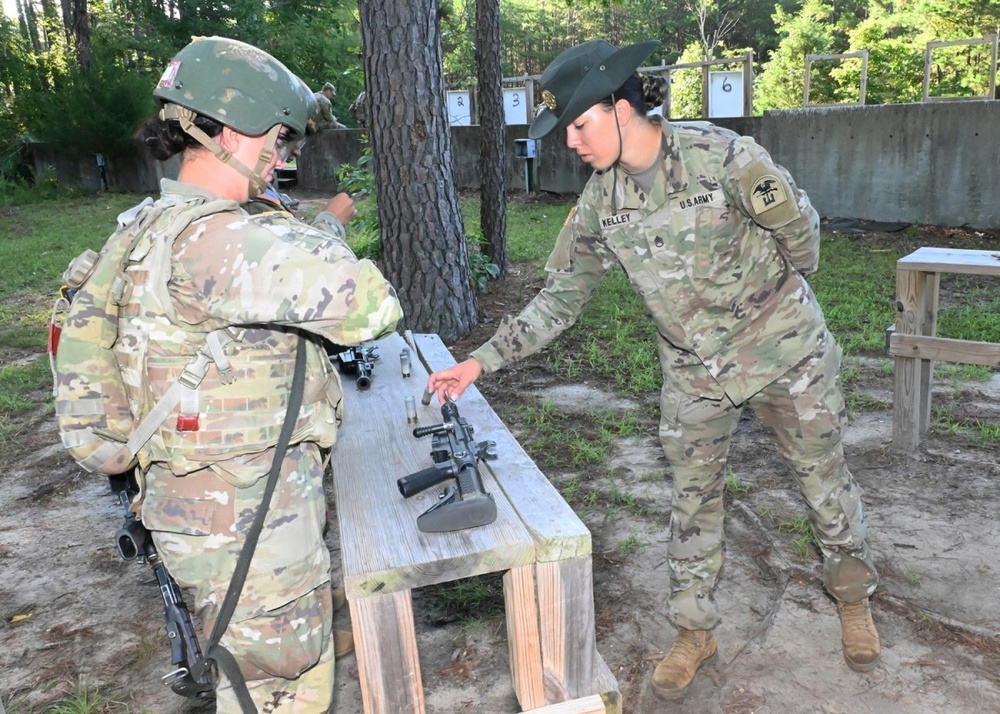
73,614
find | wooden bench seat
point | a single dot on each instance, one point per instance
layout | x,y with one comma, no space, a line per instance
537,541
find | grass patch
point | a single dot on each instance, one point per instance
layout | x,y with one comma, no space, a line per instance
20,386
735,485
632,544
468,601
805,541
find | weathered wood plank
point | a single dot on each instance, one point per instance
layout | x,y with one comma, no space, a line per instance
558,531
607,687
521,606
382,550
566,625
928,326
386,647
945,349
906,397
952,260
586,705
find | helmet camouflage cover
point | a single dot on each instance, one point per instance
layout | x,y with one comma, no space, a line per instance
235,84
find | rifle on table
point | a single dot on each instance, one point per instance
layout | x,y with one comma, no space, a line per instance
359,361
465,504
135,543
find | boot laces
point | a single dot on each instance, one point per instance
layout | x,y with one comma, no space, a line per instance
856,619
687,645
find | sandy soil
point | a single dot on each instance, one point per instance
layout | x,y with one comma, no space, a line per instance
73,614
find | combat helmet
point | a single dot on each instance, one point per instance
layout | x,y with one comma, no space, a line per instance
237,85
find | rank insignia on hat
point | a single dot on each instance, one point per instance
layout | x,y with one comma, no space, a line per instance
549,99
767,192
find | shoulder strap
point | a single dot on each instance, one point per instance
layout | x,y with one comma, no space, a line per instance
214,651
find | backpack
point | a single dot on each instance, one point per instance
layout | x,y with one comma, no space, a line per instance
93,414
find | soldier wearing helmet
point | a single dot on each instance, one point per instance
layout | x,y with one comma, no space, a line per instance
322,116
247,292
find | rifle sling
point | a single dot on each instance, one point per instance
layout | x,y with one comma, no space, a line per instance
214,651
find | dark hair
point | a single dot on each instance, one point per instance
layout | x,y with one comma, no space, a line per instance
644,93
164,138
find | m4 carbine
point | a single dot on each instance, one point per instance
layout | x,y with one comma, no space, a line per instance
135,543
466,504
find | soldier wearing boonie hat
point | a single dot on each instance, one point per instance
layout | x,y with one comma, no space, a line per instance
717,240
248,293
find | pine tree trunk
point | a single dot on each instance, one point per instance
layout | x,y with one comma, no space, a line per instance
423,242
492,189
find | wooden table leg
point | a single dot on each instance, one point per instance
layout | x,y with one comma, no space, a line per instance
521,606
386,645
910,314
566,628
928,326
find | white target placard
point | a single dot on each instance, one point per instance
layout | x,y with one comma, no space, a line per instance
459,107
515,106
725,94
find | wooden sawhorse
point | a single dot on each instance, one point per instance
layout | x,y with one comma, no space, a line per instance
537,541
914,343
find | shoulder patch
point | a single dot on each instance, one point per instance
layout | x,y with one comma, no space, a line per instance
767,195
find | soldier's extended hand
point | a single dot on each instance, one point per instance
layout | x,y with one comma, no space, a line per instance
452,382
342,206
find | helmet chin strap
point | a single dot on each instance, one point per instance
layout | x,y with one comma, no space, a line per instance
617,162
186,117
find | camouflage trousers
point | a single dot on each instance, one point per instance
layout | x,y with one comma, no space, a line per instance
281,632
805,412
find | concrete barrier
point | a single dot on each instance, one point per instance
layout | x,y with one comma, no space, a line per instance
921,163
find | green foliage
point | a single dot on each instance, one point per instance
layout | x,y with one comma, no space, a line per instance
468,600
686,84
357,179
96,111
483,269
811,31
365,235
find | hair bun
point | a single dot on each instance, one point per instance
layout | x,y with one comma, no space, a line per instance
654,90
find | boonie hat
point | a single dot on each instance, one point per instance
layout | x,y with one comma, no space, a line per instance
581,77
330,87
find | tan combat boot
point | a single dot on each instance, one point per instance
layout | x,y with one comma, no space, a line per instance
861,644
343,643
674,674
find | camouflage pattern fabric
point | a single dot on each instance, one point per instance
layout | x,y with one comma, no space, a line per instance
259,276
359,110
281,631
726,293
322,116
229,269
717,248
805,412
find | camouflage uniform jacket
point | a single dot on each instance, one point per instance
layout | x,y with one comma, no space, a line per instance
717,250
322,115
256,275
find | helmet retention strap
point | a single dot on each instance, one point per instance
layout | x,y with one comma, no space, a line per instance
185,117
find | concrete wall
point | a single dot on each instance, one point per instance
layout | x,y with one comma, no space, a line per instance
134,171
936,163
